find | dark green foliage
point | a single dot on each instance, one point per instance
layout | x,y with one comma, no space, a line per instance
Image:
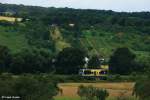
37,30
6,84
38,34
108,20
27,87
70,60
94,62
86,92
122,61
35,88
96,31
81,91
116,77
141,89
92,93
101,94
31,61
5,58
143,61
37,21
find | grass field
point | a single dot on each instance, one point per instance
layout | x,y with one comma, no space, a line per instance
114,89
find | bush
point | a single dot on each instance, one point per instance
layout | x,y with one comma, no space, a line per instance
101,94
28,87
142,88
92,93
6,85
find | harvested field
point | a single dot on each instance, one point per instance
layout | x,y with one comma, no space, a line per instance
114,89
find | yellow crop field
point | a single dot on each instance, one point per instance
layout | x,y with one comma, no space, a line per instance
10,19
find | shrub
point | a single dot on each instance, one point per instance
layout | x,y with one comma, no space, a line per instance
101,94
28,87
92,93
142,88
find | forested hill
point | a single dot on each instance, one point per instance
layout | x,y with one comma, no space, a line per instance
95,31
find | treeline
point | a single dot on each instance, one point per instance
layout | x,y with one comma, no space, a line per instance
107,20
26,61
27,87
41,61
68,61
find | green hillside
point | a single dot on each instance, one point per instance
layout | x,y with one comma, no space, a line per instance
107,42
13,40
48,46
98,32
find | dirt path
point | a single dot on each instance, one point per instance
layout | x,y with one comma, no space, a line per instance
114,89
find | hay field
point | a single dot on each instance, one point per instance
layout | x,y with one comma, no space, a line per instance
114,89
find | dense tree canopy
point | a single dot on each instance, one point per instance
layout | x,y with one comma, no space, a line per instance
94,62
28,87
5,58
70,60
31,61
122,61
108,20
142,88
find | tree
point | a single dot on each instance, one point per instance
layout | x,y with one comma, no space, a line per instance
94,62
141,89
31,61
34,88
82,91
70,60
28,87
37,34
122,61
101,94
5,58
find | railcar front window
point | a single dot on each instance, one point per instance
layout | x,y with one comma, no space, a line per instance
87,72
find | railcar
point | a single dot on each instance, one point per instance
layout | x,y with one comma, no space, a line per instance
101,72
